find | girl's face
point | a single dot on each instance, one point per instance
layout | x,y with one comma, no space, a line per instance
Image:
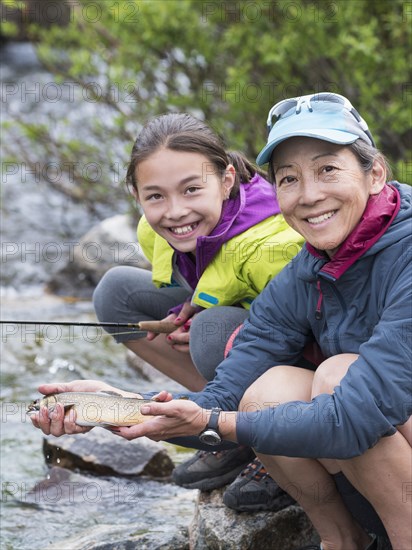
182,195
322,189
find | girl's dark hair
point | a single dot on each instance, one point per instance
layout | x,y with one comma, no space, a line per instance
364,152
184,132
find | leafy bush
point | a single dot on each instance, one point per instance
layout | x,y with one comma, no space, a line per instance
228,62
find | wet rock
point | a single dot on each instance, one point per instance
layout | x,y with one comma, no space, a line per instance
63,486
102,452
216,527
110,537
112,242
138,513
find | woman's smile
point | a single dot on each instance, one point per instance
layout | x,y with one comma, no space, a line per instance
317,219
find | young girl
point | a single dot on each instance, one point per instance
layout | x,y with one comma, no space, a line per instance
213,231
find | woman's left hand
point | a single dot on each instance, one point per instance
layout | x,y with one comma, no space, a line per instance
175,418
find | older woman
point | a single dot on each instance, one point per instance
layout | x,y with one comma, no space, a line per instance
338,439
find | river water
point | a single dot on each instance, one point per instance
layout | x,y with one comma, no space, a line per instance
33,217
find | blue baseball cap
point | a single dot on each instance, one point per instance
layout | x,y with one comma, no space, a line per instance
326,116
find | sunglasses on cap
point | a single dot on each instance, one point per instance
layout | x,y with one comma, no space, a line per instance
292,106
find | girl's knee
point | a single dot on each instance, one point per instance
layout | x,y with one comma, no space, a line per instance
115,287
207,343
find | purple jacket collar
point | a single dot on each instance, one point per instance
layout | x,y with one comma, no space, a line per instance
255,202
379,213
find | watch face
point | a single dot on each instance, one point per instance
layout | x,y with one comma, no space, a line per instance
210,437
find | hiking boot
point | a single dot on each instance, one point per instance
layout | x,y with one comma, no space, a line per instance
208,470
254,490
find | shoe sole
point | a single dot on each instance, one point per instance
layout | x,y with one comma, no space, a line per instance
282,502
214,482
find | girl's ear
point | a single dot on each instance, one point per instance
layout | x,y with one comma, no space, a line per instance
378,175
135,194
229,181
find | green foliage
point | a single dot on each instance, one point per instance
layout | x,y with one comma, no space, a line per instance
228,62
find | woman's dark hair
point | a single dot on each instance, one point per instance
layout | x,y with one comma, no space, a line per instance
184,132
364,152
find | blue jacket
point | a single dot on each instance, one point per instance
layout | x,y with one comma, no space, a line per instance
366,309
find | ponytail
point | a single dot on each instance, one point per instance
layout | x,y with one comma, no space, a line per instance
245,170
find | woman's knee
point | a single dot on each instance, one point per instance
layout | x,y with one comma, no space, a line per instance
330,372
278,385
406,430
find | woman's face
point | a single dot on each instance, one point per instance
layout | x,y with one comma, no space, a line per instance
182,195
322,189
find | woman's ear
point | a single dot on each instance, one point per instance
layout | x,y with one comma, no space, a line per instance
229,180
378,175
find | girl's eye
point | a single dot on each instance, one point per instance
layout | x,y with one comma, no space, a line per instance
154,197
191,190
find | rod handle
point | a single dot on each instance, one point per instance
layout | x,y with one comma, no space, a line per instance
161,327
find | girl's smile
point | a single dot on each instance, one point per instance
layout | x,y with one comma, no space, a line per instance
184,230
182,195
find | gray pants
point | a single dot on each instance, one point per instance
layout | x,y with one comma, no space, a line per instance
127,295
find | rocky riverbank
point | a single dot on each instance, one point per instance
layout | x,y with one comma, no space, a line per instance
202,520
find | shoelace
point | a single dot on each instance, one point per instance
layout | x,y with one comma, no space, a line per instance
255,470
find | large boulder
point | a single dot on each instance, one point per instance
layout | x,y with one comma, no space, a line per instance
216,527
110,243
104,453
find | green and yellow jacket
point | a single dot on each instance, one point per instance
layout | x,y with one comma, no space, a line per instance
250,245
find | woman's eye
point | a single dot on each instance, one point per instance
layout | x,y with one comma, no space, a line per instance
329,173
286,180
191,190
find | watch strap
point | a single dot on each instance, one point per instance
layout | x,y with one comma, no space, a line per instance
213,423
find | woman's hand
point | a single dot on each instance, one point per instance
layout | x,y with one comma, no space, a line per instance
177,418
57,422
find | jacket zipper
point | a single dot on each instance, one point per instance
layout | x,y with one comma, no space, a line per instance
318,312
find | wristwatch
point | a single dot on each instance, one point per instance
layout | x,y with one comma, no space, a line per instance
210,435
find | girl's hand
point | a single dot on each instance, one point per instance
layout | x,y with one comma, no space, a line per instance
58,423
152,335
179,339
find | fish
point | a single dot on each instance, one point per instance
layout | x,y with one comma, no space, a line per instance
104,408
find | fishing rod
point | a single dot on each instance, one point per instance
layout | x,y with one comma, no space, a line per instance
160,327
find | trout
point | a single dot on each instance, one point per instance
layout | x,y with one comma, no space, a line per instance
96,408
